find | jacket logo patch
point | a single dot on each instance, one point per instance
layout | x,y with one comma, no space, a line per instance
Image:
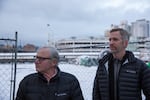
60,94
131,71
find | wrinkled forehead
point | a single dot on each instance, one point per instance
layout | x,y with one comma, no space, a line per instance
43,52
115,34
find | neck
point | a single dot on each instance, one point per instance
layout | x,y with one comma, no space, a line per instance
119,55
50,75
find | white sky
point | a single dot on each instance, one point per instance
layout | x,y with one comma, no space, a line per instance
67,18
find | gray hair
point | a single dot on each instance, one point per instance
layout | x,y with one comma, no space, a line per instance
53,53
125,35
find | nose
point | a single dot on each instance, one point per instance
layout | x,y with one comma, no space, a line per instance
36,61
110,41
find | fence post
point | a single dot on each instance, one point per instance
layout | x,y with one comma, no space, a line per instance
16,50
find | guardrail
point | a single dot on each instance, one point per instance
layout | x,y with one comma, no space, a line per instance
21,57
29,57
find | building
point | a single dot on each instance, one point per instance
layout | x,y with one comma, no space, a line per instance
29,48
124,24
140,28
75,45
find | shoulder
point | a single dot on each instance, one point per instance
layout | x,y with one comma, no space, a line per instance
30,77
67,76
140,62
103,53
140,65
106,58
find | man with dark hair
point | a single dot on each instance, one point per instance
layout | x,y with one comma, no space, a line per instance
120,75
49,83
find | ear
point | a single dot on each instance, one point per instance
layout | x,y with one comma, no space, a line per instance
126,43
54,62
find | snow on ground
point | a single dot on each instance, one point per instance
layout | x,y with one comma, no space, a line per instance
5,77
85,75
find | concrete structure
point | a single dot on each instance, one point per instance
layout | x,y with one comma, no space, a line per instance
140,28
82,45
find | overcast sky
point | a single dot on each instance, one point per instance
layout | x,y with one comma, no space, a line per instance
35,20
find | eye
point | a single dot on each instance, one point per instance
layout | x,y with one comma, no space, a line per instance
42,58
115,39
109,39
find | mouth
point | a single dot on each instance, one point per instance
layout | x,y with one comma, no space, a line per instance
112,48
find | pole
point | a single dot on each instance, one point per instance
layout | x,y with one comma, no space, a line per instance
15,67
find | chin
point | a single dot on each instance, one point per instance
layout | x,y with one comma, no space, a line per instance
113,51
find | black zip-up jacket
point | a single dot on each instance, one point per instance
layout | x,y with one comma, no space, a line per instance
133,76
63,86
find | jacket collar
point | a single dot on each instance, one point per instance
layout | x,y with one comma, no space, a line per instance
41,76
129,57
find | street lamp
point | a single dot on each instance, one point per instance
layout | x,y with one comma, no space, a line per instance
50,40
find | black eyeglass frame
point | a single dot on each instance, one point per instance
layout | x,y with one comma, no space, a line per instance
42,58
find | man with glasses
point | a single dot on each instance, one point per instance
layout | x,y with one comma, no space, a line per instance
49,83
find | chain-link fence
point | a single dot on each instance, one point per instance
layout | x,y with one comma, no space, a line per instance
8,73
12,73
84,74
6,81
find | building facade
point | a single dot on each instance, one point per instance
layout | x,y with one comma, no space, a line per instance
140,28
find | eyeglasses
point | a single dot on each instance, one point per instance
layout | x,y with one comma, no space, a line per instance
41,58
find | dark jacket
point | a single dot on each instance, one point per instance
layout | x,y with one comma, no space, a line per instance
63,86
133,76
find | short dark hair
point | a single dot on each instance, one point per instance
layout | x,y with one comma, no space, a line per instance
125,35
